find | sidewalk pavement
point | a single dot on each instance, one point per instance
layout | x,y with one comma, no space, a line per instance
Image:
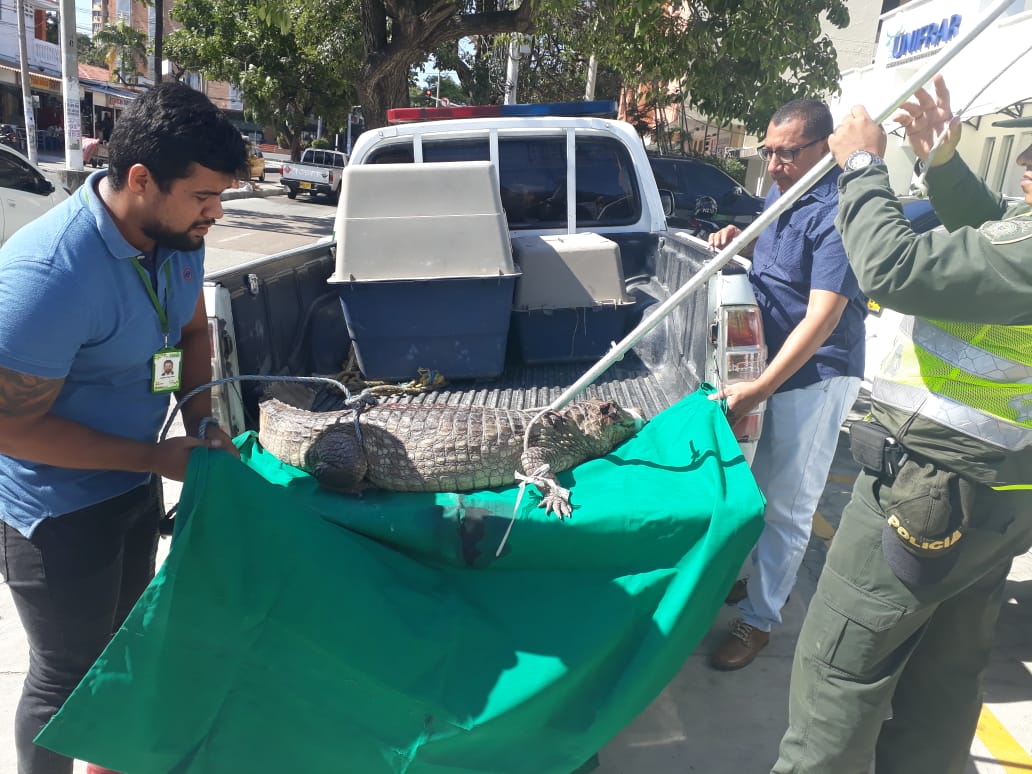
54,164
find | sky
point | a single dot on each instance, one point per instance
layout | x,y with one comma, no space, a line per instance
84,16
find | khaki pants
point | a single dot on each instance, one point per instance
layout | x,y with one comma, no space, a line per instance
889,673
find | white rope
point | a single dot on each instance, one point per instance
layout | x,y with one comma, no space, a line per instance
536,478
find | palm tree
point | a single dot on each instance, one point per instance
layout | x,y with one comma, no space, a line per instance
121,43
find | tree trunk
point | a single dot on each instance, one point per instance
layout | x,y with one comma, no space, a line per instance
380,94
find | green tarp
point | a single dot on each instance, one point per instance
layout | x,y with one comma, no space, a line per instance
296,630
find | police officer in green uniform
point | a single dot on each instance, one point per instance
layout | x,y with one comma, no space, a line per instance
889,661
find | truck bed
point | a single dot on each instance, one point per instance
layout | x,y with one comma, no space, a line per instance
288,321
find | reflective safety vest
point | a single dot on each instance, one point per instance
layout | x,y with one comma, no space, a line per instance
973,378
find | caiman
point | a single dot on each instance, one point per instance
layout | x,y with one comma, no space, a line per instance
416,448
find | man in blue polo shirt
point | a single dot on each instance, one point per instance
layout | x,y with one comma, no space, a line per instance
813,315
101,319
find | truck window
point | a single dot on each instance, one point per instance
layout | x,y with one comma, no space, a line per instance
395,153
607,188
532,177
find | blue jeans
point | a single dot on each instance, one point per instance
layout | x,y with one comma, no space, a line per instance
74,582
800,434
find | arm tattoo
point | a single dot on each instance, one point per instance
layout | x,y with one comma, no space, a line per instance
22,395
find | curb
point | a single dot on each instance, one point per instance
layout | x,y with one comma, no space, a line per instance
258,193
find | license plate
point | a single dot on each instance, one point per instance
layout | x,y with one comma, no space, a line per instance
305,185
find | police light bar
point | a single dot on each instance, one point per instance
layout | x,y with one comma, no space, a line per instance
597,108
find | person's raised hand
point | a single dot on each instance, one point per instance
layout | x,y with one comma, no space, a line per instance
858,131
924,118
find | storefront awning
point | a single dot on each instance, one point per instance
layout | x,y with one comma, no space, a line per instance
107,88
37,80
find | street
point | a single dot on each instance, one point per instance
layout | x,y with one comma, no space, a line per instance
255,227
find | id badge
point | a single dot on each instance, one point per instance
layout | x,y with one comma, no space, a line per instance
167,370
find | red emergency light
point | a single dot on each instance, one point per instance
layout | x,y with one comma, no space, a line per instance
600,108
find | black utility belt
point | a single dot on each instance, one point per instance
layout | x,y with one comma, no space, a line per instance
876,449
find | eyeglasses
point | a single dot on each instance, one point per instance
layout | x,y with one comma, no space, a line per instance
785,155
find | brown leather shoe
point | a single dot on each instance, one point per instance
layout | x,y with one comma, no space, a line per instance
742,645
738,592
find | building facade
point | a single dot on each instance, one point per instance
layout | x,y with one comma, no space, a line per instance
907,36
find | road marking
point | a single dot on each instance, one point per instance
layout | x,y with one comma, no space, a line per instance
821,528
840,479
1009,755
234,238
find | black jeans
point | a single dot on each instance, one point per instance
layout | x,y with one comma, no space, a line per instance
73,582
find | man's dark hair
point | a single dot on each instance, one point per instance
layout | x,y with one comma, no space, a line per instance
815,115
169,129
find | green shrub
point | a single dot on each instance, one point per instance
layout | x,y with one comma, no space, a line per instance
320,142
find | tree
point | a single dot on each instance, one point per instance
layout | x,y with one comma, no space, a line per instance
124,49
732,59
286,77
88,53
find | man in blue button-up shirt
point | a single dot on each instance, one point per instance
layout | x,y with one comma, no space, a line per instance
813,322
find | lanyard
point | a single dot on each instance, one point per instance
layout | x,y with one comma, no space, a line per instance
162,314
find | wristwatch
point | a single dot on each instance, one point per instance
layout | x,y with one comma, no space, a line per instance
859,159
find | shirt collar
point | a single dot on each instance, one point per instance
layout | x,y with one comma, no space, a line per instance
823,190
117,245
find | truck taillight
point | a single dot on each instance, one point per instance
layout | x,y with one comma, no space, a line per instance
743,326
741,357
748,427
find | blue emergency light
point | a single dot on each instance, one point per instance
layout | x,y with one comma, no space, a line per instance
596,108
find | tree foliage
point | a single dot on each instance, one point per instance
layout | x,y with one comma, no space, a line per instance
124,49
731,59
287,74
88,53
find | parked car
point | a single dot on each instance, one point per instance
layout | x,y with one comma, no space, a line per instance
317,173
688,179
255,162
25,191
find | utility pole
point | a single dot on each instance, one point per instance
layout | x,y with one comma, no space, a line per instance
589,87
159,40
512,69
26,86
70,87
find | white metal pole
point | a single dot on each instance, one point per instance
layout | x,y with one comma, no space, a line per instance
70,87
589,87
30,114
786,200
512,70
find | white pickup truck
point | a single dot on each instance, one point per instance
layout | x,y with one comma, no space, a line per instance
318,173
568,206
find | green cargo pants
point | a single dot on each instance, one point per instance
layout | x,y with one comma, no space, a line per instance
889,673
